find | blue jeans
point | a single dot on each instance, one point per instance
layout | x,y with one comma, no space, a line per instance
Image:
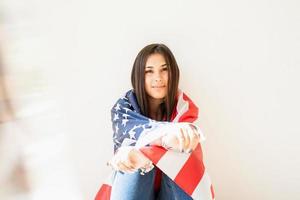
141,187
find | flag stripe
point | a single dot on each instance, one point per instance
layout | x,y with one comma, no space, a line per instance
104,192
154,153
173,162
191,172
203,190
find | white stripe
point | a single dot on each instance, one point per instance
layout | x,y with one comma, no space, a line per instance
150,136
172,162
202,191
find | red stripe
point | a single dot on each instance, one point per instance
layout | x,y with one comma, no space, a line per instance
104,192
191,173
212,191
153,152
192,113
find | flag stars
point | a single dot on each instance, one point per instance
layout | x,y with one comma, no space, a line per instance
117,128
124,97
134,127
116,141
126,109
125,132
116,117
132,134
117,107
124,121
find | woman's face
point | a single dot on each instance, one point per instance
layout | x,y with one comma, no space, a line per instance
156,76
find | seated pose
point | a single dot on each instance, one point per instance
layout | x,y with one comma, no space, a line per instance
157,151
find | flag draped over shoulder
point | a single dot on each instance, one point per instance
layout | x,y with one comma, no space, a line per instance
131,128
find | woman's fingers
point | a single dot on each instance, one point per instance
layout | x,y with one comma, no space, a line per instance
171,141
136,159
181,140
184,140
121,160
129,160
187,139
194,138
125,167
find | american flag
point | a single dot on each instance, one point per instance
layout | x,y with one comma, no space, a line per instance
131,128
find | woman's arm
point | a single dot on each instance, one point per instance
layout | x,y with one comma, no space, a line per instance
184,139
129,159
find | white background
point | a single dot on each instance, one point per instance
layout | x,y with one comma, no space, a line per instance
239,62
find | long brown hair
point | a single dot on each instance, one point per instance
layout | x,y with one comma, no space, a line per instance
138,79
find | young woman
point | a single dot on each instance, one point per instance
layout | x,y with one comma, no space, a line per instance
155,78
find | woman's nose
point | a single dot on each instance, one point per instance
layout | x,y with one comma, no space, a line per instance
157,79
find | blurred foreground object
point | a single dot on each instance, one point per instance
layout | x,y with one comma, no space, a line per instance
13,180
34,156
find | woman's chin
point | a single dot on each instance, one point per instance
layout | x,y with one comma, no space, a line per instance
158,96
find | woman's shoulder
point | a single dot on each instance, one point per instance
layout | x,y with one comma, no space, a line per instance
126,101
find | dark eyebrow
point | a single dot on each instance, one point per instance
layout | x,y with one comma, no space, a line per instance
160,66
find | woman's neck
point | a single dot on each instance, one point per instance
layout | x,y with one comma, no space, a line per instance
155,111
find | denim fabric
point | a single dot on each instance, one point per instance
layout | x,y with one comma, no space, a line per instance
134,186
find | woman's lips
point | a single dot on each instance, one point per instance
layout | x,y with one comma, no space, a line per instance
158,86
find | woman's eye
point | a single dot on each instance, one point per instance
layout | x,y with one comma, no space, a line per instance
165,69
149,71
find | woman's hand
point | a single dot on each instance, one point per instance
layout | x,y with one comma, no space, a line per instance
128,159
184,140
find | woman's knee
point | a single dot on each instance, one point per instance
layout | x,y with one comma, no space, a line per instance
133,186
170,190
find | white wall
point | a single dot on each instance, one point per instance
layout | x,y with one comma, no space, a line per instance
239,61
